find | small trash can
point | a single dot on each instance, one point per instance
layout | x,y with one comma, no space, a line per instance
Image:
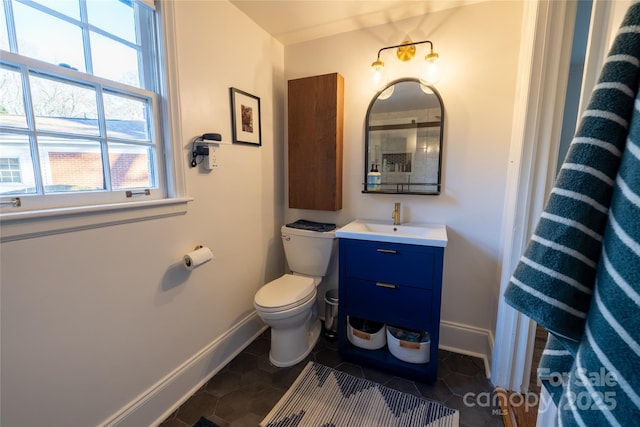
331,314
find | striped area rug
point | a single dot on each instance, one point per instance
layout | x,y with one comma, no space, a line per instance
322,396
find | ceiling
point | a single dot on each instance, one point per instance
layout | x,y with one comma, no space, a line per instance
295,21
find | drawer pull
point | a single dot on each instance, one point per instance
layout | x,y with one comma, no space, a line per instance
386,285
387,251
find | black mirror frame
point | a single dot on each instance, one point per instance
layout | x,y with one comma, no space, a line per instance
400,189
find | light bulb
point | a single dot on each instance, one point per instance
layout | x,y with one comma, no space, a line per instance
431,69
430,73
378,76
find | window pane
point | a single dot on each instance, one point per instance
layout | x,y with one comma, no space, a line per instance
11,99
63,107
114,61
15,162
70,165
49,39
113,16
4,37
67,7
131,166
64,132
127,117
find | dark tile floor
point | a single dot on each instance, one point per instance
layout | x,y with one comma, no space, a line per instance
245,390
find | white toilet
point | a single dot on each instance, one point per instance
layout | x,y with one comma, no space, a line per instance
288,304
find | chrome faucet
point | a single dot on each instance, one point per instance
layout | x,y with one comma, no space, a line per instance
396,214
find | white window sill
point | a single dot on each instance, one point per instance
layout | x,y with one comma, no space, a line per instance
27,225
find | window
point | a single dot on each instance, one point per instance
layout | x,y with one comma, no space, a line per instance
79,103
10,170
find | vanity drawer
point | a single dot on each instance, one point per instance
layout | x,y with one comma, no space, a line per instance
399,264
397,305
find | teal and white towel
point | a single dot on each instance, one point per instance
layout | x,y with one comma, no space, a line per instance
580,274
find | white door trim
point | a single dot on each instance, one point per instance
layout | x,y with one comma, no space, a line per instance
542,79
534,147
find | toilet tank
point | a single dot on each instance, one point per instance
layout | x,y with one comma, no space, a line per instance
308,252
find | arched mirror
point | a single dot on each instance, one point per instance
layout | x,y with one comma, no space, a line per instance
403,141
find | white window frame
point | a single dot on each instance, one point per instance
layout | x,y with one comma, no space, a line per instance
24,223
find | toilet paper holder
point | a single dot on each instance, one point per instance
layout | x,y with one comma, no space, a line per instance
197,257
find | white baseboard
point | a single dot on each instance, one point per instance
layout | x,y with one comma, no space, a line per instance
158,402
469,340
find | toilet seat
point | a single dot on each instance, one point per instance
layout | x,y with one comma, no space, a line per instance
287,292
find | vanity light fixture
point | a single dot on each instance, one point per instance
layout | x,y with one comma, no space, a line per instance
405,52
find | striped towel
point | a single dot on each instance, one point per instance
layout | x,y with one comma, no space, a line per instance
580,274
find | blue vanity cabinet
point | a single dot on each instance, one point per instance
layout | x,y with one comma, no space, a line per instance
396,284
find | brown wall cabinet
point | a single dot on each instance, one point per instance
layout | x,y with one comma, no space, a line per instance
315,120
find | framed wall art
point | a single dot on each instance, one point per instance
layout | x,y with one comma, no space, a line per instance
245,117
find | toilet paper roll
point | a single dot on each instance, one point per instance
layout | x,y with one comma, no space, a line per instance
197,258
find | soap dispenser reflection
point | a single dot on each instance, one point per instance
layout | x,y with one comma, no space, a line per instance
374,178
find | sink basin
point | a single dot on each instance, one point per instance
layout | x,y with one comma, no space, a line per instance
385,231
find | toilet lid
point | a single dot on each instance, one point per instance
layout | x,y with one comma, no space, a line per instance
286,292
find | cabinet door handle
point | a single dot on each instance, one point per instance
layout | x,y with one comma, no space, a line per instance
386,285
387,251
